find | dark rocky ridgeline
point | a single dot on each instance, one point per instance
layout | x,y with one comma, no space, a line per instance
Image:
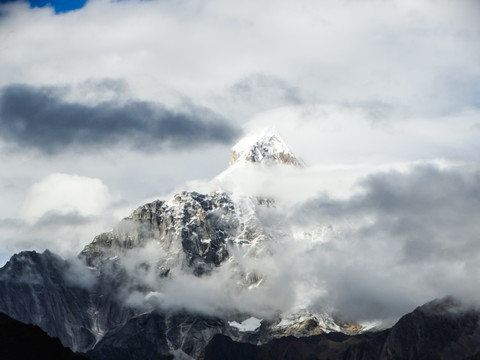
366,346
28,342
222,347
193,230
152,335
35,289
439,330
193,234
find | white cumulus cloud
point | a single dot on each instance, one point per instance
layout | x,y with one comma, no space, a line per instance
66,193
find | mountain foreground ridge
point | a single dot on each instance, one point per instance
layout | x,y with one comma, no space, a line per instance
29,342
121,279
148,288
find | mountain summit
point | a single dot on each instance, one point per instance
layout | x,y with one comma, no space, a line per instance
266,147
193,276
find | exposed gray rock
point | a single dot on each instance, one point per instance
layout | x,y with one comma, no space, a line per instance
439,330
194,231
150,335
189,234
35,290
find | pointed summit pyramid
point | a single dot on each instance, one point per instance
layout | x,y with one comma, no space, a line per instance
265,147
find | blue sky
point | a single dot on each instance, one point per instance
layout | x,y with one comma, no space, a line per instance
60,6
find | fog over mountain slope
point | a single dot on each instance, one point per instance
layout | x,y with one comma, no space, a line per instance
194,261
251,260
367,208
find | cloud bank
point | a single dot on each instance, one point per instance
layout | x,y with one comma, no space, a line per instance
197,70
419,56
38,118
406,238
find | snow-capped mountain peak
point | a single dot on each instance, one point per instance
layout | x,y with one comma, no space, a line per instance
265,147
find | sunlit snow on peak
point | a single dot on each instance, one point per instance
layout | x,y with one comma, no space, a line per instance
266,147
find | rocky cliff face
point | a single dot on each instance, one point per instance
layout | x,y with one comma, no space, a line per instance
151,335
193,231
89,305
35,289
190,234
439,330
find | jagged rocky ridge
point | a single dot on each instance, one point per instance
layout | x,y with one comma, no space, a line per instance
191,233
89,306
193,229
439,330
196,233
36,289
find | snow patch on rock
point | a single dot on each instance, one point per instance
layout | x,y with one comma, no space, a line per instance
250,324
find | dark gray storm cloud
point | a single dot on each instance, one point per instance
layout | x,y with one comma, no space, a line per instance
39,118
424,208
408,238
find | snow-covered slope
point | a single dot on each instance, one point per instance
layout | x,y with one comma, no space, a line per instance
266,147
192,237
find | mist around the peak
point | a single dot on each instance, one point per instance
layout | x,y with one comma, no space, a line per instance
369,240
379,98
405,236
